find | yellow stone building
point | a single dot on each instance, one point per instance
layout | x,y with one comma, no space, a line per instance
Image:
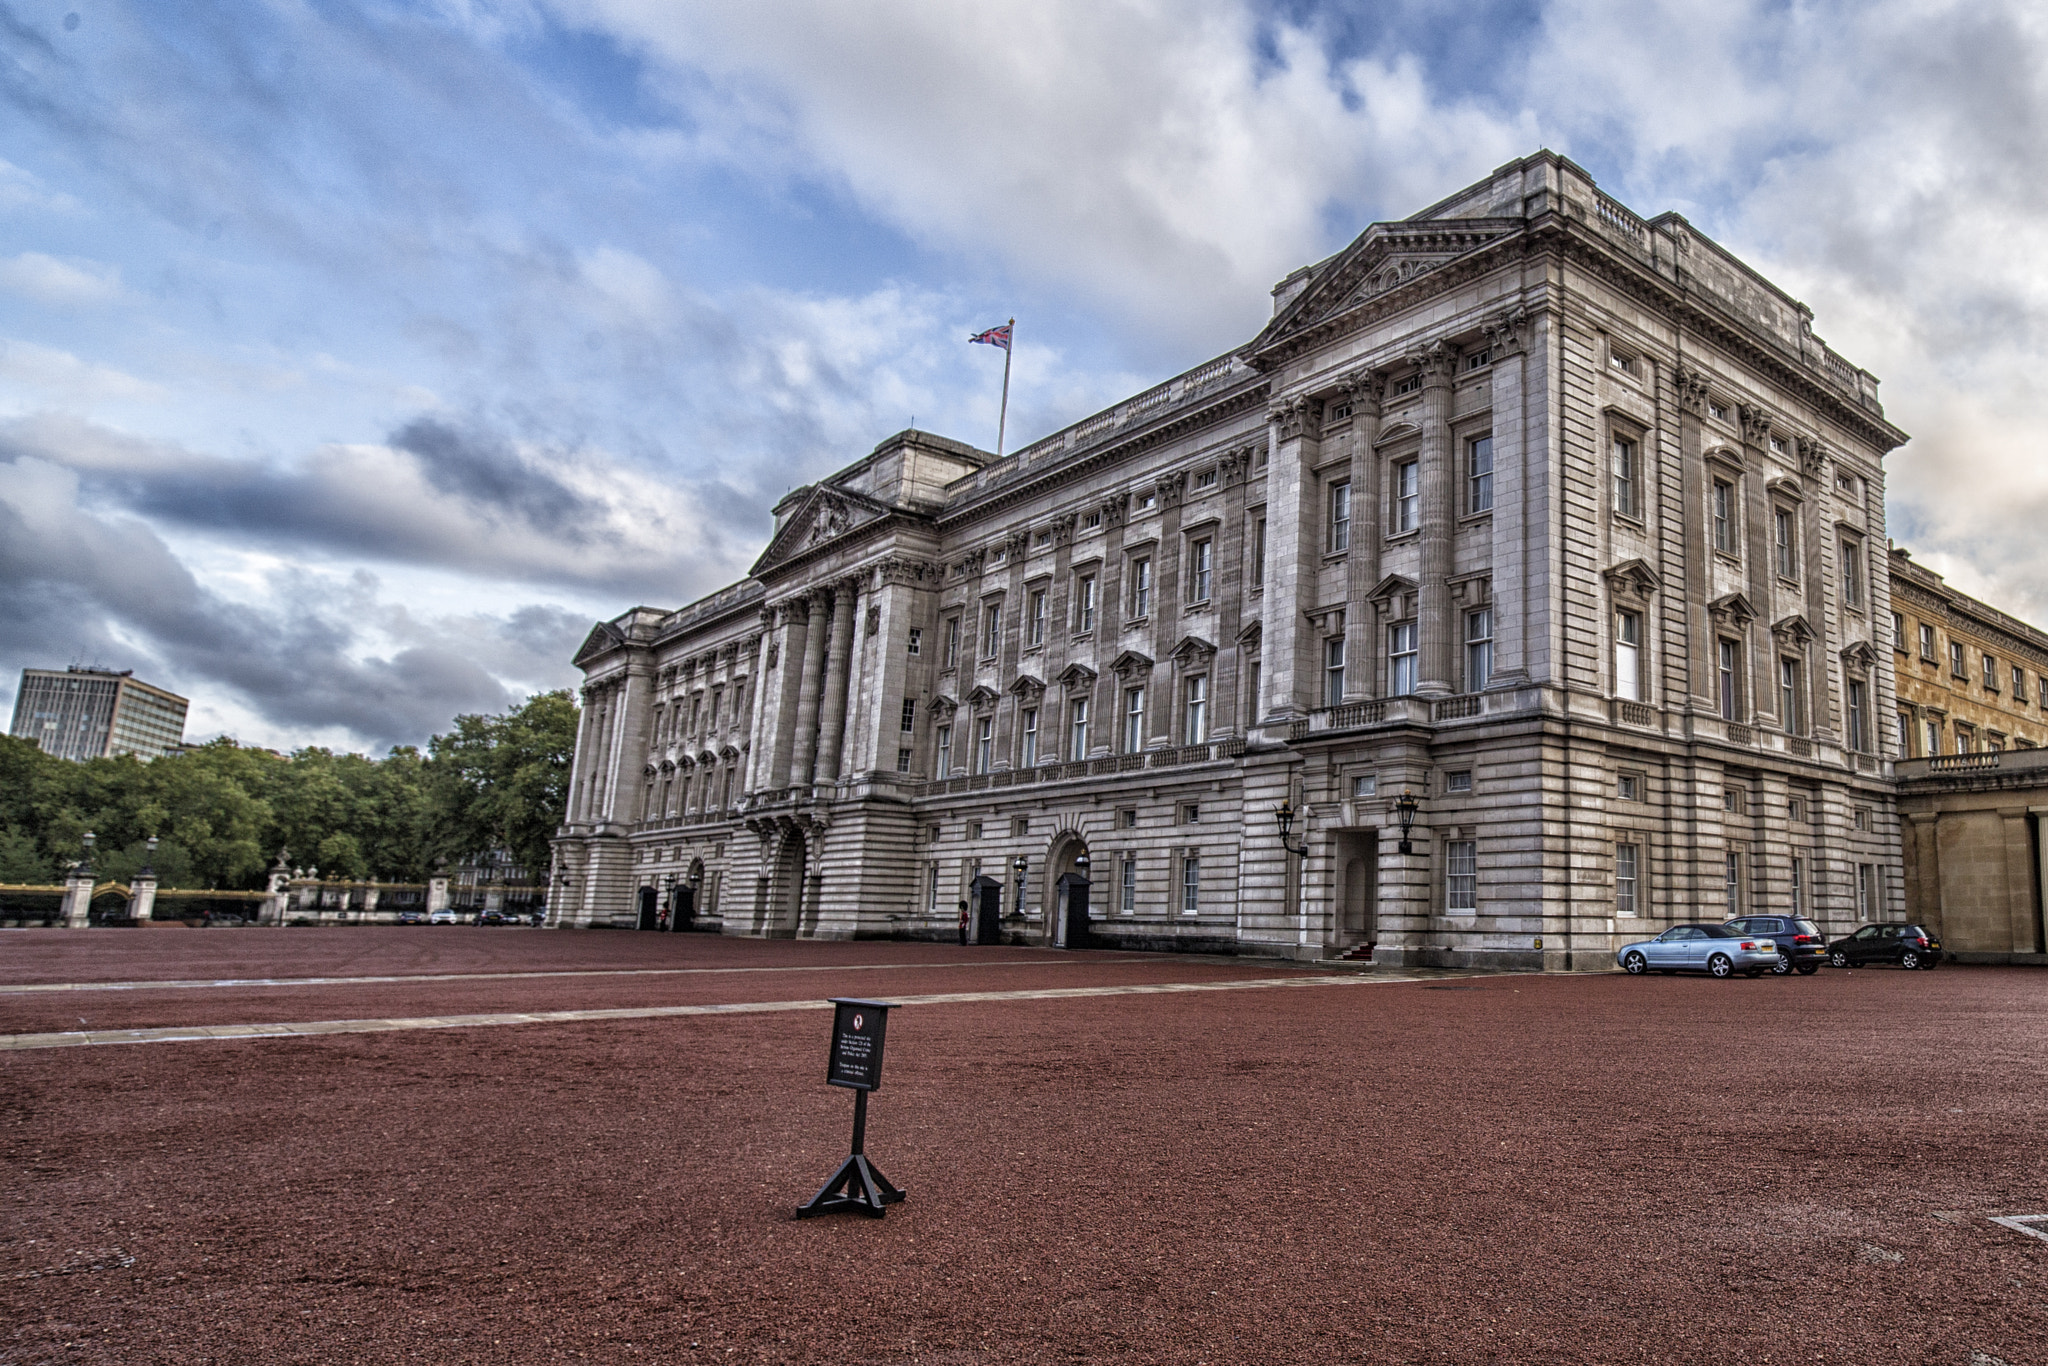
1971,679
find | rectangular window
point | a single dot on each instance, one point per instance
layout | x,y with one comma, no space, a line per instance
1197,727
1724,517
1206,479
1788,696
945,747
717,696
952,655
1084,603
1141,586
1867,899
1628,787
1956,667
903,761
1479,474
2019,684
916,640
1251,692
1728,680
1365,785
1127,884
1407,497
1401,659
931,874
1798,885
1966,738
1859,713
1626,499
909,714
1461,781
1039,599
1134,720
1852,574
1933,738
1927,643
984,744
1340,516
1781,537
1625,861
991,630
1904,736
1190,884
1190,813
1628,656
1259,553
1991,673
1732,882
1201,569
1028,751
1461,876
1478,649
1333,671
1898,633
1077,729
1717,411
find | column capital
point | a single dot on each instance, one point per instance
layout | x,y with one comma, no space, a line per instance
1438,363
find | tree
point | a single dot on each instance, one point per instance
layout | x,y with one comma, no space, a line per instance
502,782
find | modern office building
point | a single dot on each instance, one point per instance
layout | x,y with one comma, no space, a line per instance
1532,558
81,713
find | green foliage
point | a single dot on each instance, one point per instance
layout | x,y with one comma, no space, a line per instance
222,812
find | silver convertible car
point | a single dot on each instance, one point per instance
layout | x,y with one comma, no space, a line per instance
1713,949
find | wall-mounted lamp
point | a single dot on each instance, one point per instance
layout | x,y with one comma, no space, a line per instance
1285,816
1405,807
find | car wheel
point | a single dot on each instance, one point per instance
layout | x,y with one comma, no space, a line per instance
1839,959
1720,965
1635,965
1783,966
1909,960
1808,969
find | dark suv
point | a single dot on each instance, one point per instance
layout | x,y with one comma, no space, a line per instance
1799,940
1910,946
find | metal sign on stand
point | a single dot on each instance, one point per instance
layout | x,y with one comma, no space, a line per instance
858,1031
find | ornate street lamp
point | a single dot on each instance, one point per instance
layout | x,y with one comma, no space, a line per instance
149,858
1285,816
85,864
1405,807
1022,865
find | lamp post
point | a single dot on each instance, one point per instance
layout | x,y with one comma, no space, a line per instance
1285,816
85,864
1405,807
149,857
1022,865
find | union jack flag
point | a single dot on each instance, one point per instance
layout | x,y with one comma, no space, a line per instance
995,336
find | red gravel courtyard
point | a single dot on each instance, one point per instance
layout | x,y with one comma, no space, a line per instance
1349,1168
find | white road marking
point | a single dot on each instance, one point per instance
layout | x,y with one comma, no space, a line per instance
31,988
2033,1225
194,1033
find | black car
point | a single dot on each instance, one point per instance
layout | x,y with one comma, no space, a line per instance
493,918
412,917
1800,943
1910,946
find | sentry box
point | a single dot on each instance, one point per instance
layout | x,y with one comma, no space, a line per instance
858,1031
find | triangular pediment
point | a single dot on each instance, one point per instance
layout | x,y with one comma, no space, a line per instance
1379,263
1077,676
602,640
1735,607
1131,662
1632,578
982,697
1859,656
1028,686
826,514
1191,649
1390,586
1794,628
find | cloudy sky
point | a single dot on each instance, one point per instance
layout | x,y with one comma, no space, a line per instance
355,357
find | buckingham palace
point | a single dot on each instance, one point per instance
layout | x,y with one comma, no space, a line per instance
1528,562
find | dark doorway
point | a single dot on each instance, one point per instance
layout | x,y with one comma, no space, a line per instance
1073,904
685,906
987,898
650,918
1358,860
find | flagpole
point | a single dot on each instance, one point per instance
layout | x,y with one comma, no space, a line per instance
1003,422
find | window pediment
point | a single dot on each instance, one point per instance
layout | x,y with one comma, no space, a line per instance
1028,687
1131,664
1077,678
1734,608
1191,652
1794,630
1632,579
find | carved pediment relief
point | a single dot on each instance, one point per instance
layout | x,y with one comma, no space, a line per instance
1859,657
1250,637
1028,687
1632,579
982,697
1077,678
1394,596
1794,631
1131,664
1733,609
943,707
824,516
1191,651
603,639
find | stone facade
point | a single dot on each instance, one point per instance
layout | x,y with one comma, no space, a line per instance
1970,677
1975,863
1560,520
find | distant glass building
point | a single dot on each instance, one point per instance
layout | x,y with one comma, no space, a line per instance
79,713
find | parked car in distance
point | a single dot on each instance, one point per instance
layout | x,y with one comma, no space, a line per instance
412,917
500,918
444,916
539,918
1800,942
1910,946
1713,949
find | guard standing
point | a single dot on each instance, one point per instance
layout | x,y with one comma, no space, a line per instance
963,922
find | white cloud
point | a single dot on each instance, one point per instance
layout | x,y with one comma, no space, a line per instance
21,190
33,376
49,280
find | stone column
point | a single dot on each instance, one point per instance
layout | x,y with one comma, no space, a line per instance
832,723
1293,529
437,894
1433,612
1362,566
812,667
1518,459
142,898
